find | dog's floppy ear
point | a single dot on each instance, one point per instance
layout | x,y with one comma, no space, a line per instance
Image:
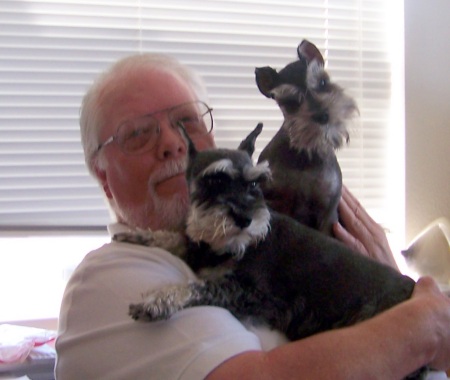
266,80
192,150
248,144
308,52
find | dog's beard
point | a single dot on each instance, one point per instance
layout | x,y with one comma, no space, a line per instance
306,134
159,213
212,225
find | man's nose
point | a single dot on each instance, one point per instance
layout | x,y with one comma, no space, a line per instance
171,144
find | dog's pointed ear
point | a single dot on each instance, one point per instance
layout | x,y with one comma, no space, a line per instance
248,144
192,150
266,80
308,52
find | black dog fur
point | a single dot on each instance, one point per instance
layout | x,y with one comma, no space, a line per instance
306,177
262,264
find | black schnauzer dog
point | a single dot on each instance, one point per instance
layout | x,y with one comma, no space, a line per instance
265,265
306,177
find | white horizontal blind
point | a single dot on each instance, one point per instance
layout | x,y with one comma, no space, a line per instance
52,50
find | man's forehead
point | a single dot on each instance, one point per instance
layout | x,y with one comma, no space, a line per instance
143,92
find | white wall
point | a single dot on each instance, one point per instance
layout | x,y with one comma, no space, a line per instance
427,96
34,271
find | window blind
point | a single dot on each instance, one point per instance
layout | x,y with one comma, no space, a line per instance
52,50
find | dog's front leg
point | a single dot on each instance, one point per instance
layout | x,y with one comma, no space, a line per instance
163,303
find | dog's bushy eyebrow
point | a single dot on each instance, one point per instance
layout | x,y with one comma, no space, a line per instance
225,166
253,173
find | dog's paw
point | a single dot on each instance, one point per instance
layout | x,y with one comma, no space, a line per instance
156,306
163,303
148,311
136,311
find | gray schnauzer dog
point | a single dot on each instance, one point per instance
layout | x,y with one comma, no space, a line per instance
264,265
306,177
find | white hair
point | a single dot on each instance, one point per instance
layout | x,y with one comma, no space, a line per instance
92,112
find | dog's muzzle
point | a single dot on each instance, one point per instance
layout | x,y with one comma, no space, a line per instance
242,212
240,220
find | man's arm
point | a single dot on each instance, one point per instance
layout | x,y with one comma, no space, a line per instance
388,346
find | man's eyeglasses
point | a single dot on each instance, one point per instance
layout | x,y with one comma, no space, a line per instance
139,135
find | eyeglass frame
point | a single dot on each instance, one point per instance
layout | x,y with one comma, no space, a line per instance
114,137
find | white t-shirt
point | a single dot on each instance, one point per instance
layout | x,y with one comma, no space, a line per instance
98,340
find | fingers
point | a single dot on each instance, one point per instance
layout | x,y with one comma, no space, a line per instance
344,236
352,215
353,210
425,285
361,232
436,304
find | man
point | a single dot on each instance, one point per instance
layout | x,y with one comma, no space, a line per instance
133,148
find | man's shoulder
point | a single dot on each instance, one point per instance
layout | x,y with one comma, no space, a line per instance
117,257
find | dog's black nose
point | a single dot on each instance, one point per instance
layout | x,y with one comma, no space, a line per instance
241,221
321,118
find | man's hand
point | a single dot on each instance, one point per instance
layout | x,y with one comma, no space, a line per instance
361,232
438,306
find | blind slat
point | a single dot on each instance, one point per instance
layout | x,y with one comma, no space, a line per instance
52,50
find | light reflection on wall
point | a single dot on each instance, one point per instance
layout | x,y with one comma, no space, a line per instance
35,270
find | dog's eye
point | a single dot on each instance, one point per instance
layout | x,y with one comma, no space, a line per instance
216,181
323,84
253,187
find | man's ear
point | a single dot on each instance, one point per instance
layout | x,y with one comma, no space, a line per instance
102,177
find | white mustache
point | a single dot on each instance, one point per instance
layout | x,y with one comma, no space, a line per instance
170,169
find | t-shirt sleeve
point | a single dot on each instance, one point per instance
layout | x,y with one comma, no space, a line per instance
98,340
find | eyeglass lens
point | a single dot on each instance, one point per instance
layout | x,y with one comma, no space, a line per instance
141,134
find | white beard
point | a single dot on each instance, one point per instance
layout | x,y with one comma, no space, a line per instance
158,213
171,213
161,214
